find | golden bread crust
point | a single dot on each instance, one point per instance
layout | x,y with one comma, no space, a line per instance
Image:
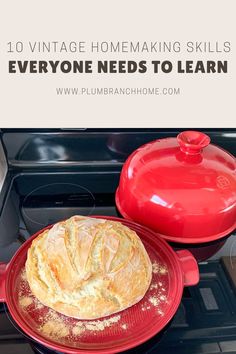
88,268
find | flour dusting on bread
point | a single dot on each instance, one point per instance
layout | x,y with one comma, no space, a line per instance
88,268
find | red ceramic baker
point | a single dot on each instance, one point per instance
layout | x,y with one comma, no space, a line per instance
184,188
171,272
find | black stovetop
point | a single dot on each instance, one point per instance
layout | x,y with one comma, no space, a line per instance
41,191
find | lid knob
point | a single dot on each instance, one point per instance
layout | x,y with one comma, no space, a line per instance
192,142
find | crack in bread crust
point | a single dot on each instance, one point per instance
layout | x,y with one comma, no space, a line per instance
88,268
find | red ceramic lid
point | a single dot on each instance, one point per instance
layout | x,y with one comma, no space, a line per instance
184,188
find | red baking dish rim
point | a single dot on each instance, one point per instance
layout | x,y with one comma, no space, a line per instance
155,329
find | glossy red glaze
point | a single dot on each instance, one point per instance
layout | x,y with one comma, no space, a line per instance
184,188
188,265
3,271
181,269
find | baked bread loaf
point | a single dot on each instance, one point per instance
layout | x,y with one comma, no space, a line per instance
88,268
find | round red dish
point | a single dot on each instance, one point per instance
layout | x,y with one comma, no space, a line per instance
131,327
183,188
